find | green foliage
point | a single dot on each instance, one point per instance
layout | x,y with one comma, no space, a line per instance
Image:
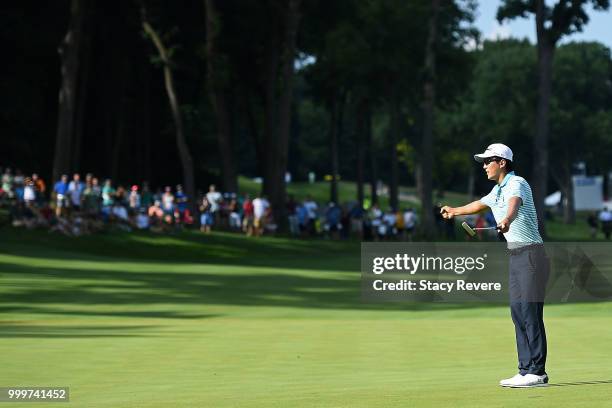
406,154
497,106
581,105
563,18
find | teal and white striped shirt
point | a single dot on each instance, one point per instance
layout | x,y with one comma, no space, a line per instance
524,228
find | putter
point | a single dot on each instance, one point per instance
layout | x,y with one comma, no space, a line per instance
472,231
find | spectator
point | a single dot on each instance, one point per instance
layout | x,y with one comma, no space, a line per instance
294,228
302,218
134,199
357,214
375,215
18,190
345,222
41,188
146,198
248,215
156,213
206,216
390,219
311,209
181,204
60,189
400,226
29,192
18,180
260,206
168,201
214,199
75,191
108,194
234,214
121,196
332,220
481,222
605,217
92,198
142,220
410,223
120,217
7,183
269,224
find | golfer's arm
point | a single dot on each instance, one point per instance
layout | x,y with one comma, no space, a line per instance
513,206
472,208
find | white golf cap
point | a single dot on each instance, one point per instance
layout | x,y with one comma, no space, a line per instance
495,150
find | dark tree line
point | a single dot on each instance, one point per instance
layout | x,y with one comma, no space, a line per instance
202,91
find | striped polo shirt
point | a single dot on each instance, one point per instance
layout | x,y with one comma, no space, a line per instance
524,228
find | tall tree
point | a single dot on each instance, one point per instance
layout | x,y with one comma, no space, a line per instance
181,143
217,82
278,108
71,51
552,23
427,141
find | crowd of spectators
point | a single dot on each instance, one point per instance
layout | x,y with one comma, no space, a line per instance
77,206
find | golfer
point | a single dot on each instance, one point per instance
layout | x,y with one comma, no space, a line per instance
511,202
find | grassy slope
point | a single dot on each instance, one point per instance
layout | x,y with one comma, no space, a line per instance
347,191
186,320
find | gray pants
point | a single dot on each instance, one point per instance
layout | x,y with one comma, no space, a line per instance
529,271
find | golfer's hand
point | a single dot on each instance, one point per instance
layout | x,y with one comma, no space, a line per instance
447,212
503,226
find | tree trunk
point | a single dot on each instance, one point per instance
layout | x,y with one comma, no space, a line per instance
337,121
372,154
181,143
360,150
546,49
120,118
562,175
333,148
569,211
279,149
251,122
82,89
270,129
216,94
70,51
426,156
146,140
394,136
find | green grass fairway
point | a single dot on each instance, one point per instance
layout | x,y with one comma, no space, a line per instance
138,320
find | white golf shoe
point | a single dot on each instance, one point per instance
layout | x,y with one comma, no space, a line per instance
507,381
528,381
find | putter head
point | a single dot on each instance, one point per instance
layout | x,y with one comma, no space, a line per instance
468,229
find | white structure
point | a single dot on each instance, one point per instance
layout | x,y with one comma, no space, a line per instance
588,193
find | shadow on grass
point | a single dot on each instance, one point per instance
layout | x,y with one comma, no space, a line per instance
186,247
594,382
158,314
75,288
56,331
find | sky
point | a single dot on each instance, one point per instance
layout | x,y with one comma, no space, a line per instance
599,27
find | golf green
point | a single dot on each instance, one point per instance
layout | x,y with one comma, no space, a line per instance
138,320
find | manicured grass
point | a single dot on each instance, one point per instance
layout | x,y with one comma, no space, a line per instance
320,192
138,320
